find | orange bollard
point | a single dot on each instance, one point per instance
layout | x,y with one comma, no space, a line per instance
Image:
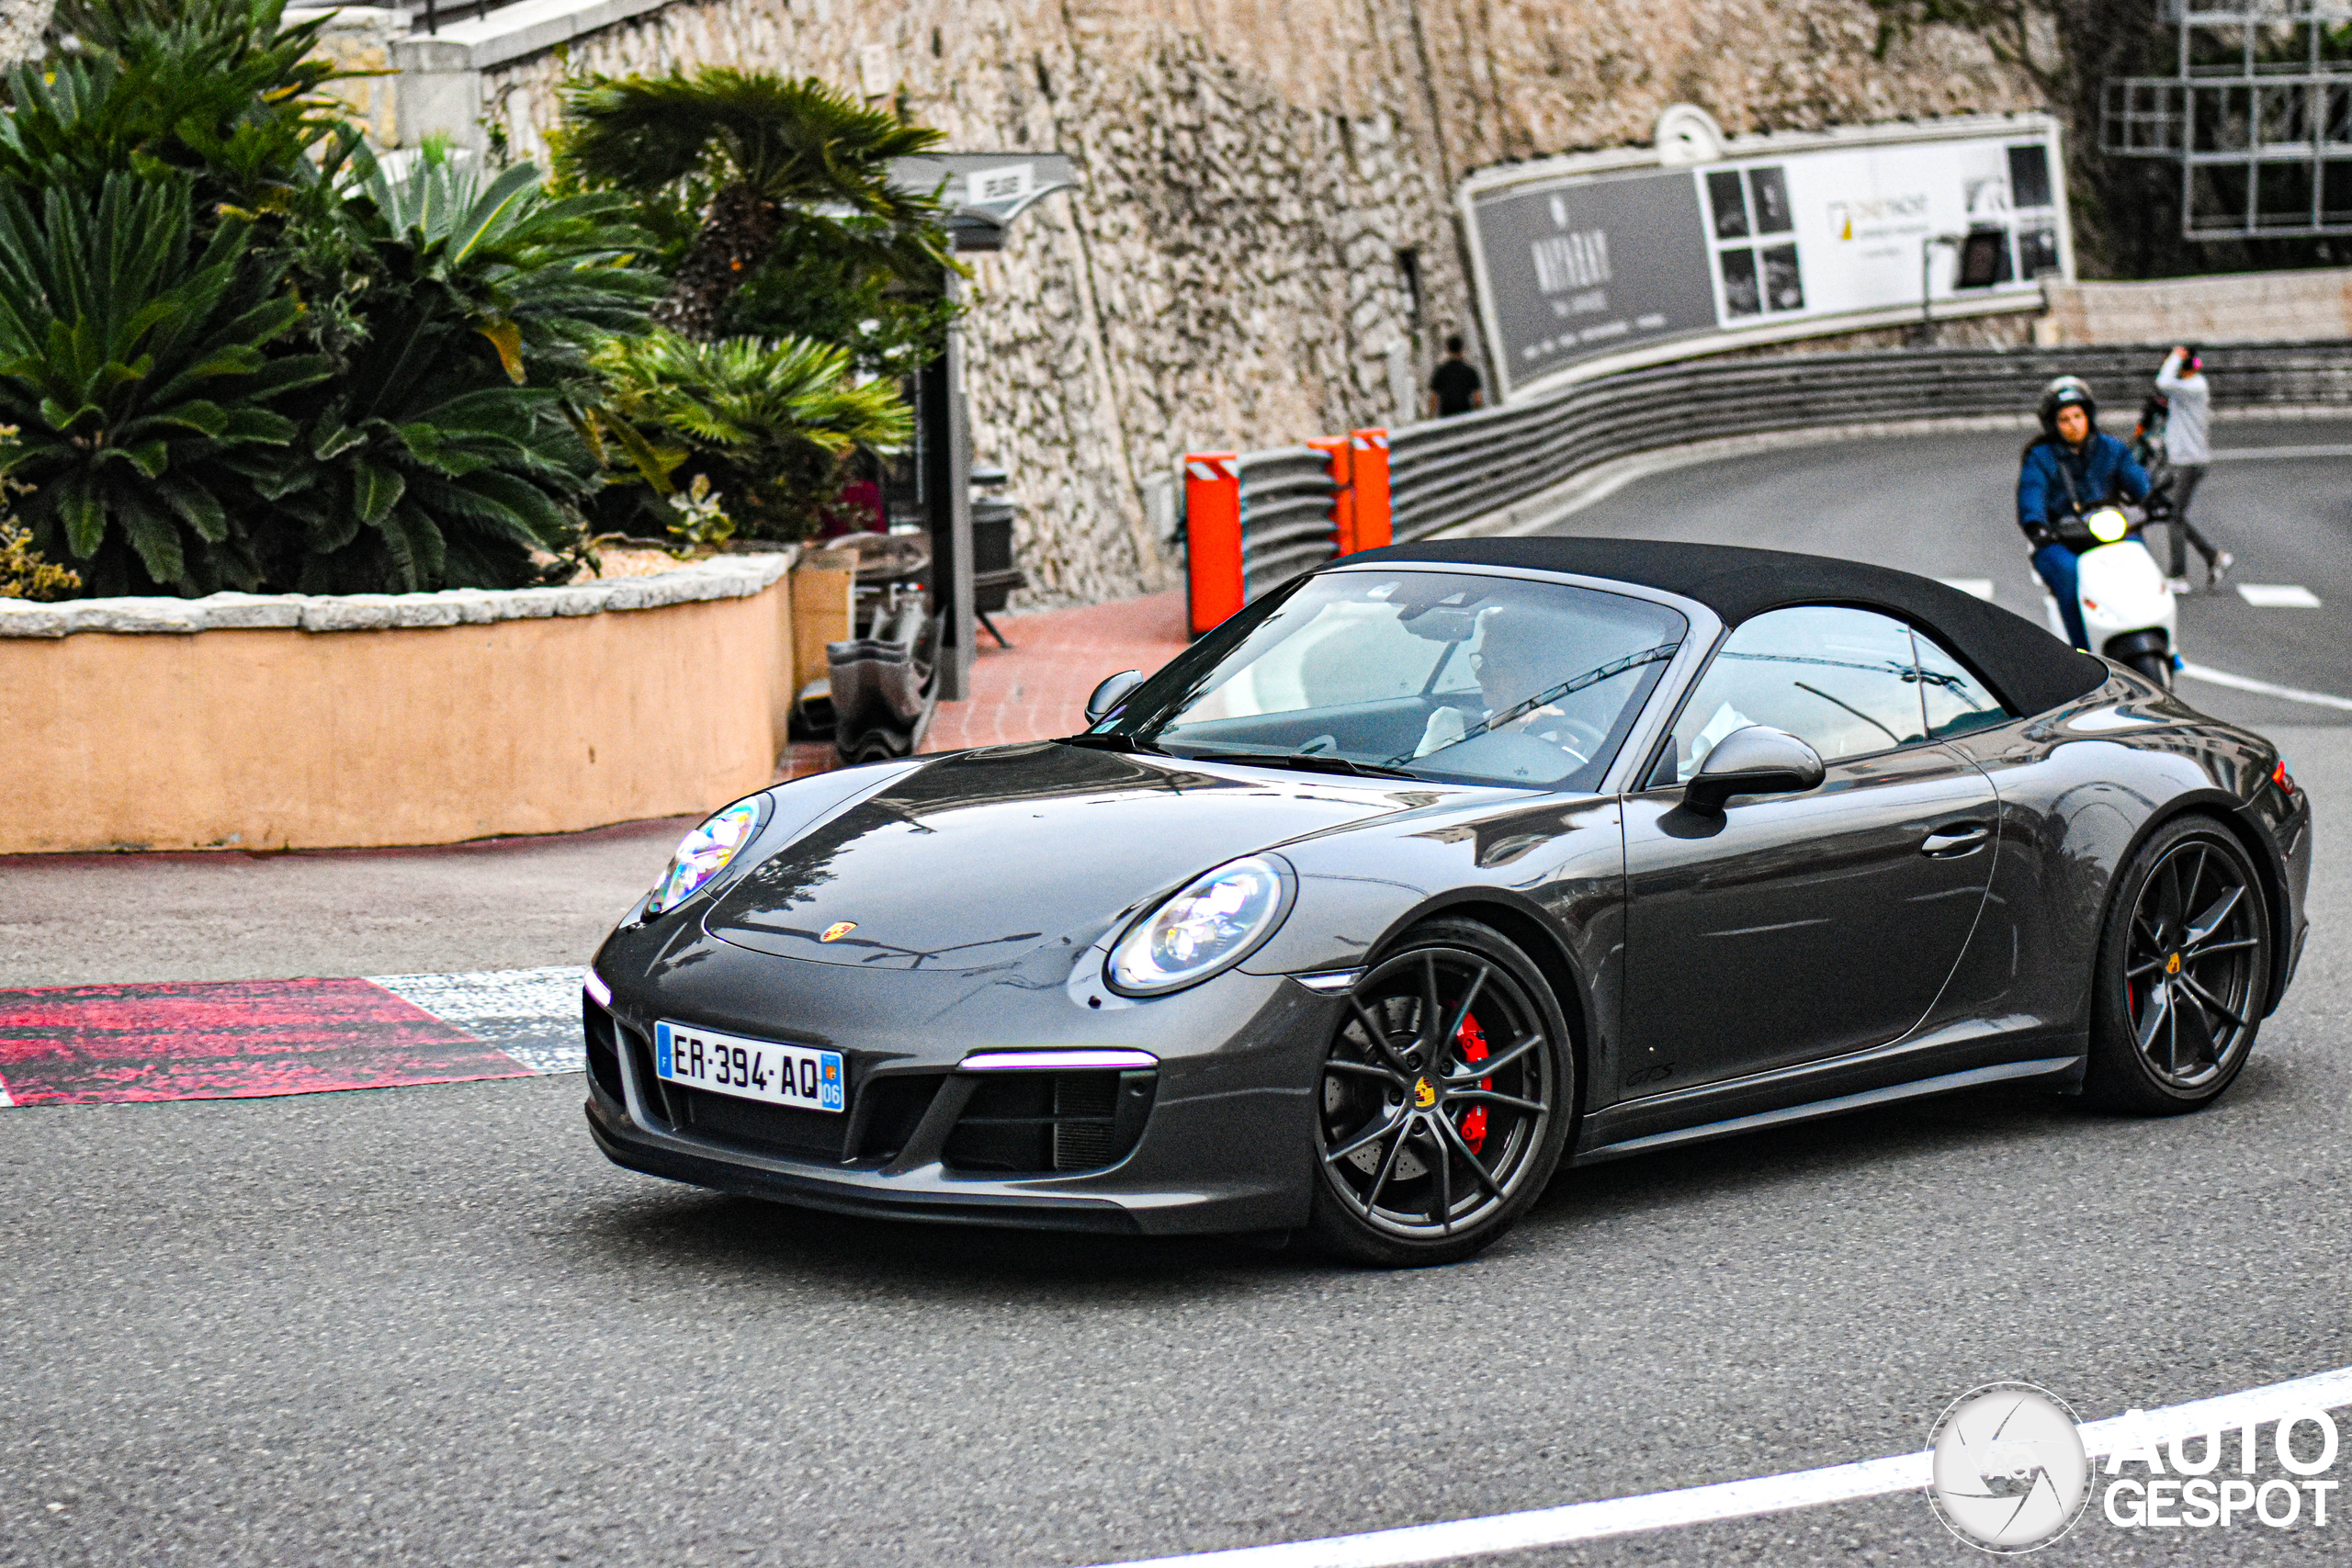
1344,504
1213,536
1368,469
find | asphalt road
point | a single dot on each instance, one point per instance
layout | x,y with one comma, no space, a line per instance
431,1326
1945,506
231,915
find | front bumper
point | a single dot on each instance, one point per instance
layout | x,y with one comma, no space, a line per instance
1217,1138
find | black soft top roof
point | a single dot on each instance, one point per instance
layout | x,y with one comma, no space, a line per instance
2026,668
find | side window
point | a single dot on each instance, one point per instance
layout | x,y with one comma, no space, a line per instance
1846,680
1957,702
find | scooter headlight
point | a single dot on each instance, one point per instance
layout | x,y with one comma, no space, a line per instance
2107,525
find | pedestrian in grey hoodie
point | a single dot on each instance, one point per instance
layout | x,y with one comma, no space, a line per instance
2189,398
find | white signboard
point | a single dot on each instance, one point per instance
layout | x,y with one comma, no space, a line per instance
1802,235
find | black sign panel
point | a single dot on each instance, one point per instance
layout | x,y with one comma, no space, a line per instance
1593,266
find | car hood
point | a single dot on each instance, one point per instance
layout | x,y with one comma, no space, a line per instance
977,858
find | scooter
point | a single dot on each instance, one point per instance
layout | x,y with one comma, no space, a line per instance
2127,607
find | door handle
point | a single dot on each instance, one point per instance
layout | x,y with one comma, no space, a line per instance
1963,839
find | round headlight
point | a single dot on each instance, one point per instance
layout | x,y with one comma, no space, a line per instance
1211,925
2107,525
704,853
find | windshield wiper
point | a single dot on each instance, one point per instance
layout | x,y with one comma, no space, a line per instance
1309,763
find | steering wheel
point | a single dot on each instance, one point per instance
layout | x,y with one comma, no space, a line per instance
1591,735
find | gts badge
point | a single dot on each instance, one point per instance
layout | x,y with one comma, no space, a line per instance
1658,1072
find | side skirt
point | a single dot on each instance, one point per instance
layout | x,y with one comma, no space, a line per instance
2060,1068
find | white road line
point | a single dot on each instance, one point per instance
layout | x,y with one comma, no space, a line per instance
2240,683
1743,1499
2248,454
5,1103
533,1015
2278,595
1982,587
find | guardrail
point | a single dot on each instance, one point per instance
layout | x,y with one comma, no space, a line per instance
1286,497
1459,469
1452,471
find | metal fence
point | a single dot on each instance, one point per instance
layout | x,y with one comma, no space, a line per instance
1450,471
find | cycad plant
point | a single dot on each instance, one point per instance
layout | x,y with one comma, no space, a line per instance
543,279
217,89
770,423
742,157
451,447
140,372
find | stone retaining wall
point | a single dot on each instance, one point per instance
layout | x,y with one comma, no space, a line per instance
2245,307
1253,172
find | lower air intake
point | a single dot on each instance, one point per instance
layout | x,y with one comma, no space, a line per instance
1032,1123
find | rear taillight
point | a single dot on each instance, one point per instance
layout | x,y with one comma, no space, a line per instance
2283,779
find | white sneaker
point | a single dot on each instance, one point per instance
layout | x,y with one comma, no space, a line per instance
2177,585
2219,568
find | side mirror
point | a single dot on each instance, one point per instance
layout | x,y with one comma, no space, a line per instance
1758,759
1111,693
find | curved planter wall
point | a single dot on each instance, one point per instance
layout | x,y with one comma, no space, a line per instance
284,721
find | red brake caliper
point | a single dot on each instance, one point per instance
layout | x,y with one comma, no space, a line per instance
1473,1040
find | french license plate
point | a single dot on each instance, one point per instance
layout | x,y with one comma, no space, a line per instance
796,1075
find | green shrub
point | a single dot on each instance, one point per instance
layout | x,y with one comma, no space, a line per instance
448,450
216,89
769,423
139,370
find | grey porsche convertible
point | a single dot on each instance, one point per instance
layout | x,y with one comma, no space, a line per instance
1442,868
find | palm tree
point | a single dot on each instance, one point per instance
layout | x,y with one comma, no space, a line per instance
773,151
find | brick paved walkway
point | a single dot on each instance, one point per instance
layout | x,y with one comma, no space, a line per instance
1038,686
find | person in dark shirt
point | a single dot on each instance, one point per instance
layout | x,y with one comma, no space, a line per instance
1455,389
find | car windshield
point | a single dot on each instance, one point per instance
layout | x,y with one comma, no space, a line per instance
1416,673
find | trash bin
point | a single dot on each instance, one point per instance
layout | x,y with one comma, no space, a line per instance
995,574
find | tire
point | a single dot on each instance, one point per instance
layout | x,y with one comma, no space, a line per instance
2156,667
2183,974
1414,1168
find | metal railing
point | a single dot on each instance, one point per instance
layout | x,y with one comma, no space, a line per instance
429,16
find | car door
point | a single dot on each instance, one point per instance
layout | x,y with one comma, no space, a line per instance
1798,927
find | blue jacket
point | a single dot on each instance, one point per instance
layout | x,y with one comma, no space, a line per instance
2101,467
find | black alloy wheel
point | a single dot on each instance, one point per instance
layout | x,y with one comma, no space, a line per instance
2184,971
1445,1100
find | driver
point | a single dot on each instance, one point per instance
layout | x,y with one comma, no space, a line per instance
1512,664
2070,467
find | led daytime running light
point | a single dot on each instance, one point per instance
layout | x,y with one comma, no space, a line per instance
702,855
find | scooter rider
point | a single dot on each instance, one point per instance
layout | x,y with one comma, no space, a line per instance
2070,467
